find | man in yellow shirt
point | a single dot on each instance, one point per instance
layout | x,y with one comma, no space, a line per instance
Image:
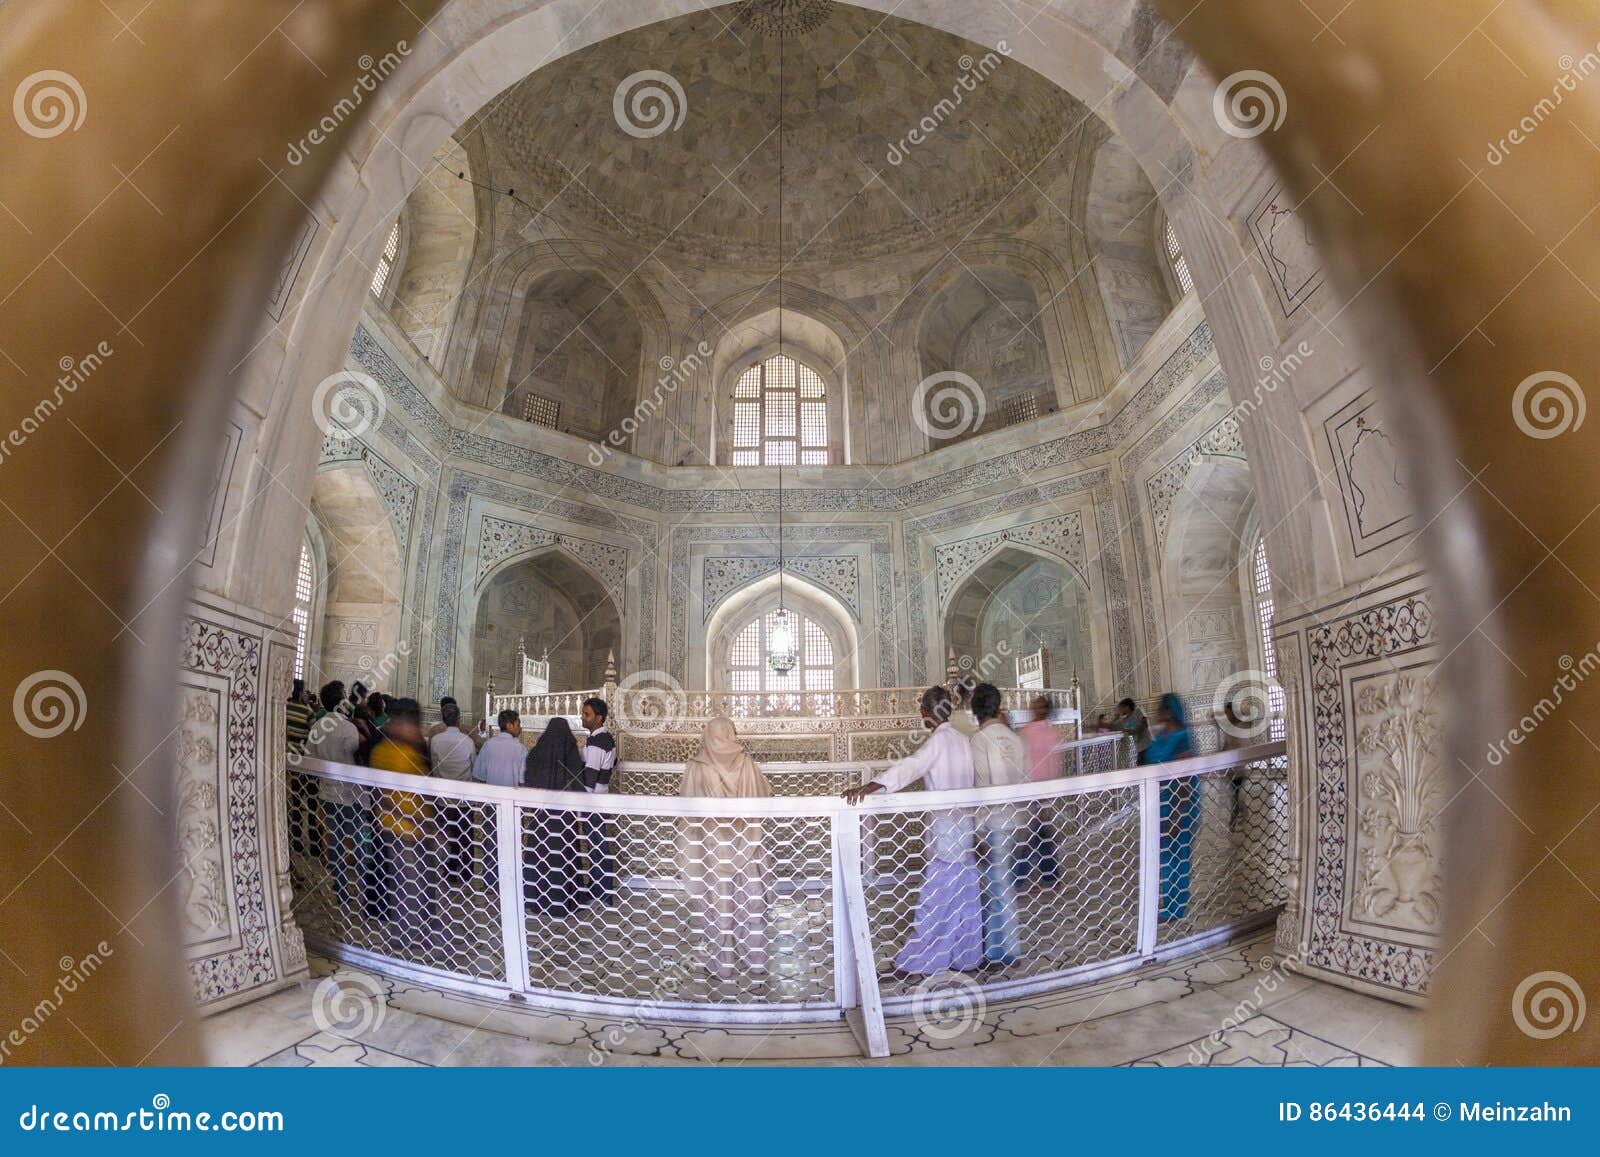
402,816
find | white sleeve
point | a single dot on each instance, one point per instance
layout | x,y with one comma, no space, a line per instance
902,773
983,775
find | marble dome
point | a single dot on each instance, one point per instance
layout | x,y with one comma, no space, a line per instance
855,87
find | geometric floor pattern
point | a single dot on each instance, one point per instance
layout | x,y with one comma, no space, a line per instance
1231,1005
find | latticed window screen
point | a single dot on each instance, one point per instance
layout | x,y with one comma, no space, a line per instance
780,415
302,610
385,266
1180,264
1020,408
748,669
1269,658
541,411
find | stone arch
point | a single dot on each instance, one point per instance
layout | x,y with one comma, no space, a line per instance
441,233
807,340
1069,319
497,326
1207,634
1015,598
858,351
854,665
537,597
360,637
1121,219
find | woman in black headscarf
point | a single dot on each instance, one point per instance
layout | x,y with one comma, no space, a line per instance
550,859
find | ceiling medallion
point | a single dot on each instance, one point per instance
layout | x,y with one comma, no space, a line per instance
783,17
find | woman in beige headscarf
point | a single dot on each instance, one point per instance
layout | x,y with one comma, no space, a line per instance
725,866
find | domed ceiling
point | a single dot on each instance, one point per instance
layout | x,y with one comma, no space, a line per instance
698,173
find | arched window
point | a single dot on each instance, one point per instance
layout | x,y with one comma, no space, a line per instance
302,609
749,670
780,415
1175,258
1262,580
385,266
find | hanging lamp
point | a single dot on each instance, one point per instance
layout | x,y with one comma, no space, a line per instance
782,649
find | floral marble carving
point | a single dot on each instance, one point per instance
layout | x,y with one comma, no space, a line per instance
1397,750
720,577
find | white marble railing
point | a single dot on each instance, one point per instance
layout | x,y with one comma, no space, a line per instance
662,705
607,903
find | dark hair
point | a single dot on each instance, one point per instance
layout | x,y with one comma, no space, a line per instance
1129,704
508,716
986,701
358,691
598,706
936,702
964,690
298,690
330,694
450,713
446,701
378,704
407,709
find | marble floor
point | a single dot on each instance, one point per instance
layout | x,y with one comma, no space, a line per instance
1231,1005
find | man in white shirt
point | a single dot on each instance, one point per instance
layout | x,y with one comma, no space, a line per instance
948,933
999,759
344,806
599,758
451,749
501,761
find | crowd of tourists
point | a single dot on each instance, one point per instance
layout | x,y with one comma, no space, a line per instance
977,861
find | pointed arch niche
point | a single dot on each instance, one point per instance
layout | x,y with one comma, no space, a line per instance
1016,599
1206,634
359,640
547,600
712,666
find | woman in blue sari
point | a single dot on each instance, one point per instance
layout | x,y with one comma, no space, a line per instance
1180,810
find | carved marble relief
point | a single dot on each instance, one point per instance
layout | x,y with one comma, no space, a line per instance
1374,755
721,577
1377,504
499,539
230,743
1222,440
1061,537
203,883
1398,876
1284,246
